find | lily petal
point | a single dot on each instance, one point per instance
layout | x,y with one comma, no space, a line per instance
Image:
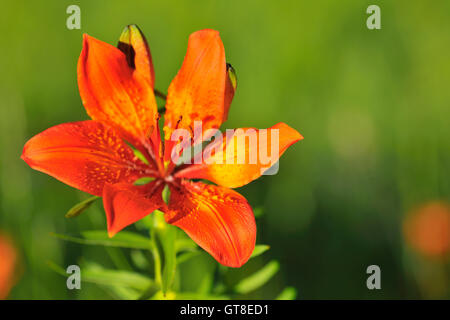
84,155
218,219
198,92
225,168
115,93
125,204
132,42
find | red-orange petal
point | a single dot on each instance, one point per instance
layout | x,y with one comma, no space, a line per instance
125,204
84,155
198,92
115,93
218,219
233,174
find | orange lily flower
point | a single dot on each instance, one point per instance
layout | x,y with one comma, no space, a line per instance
117,89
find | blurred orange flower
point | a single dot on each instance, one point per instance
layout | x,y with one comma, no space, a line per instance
117,89
8,259
427,229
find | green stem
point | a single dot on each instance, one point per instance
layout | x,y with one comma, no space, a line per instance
163,237
160,94
156,258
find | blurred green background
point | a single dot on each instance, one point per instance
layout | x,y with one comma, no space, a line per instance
373,106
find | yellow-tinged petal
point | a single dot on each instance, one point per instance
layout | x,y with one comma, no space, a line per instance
243,156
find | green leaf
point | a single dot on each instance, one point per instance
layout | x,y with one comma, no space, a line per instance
186,296
79,208
124,239
185,244
289,293
119,259
205,285
123,293
123,236
187,255
93,273
199,296
139,259
59,270
259,249
257,279
107,277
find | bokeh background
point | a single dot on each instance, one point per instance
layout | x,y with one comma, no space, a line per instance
373,106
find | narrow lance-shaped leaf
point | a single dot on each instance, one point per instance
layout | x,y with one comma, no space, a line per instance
257,279
118,291
123,293
185,244
116,277
187,255
98,275
289,293
79,208
199,296
259,249
123,239
139,259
